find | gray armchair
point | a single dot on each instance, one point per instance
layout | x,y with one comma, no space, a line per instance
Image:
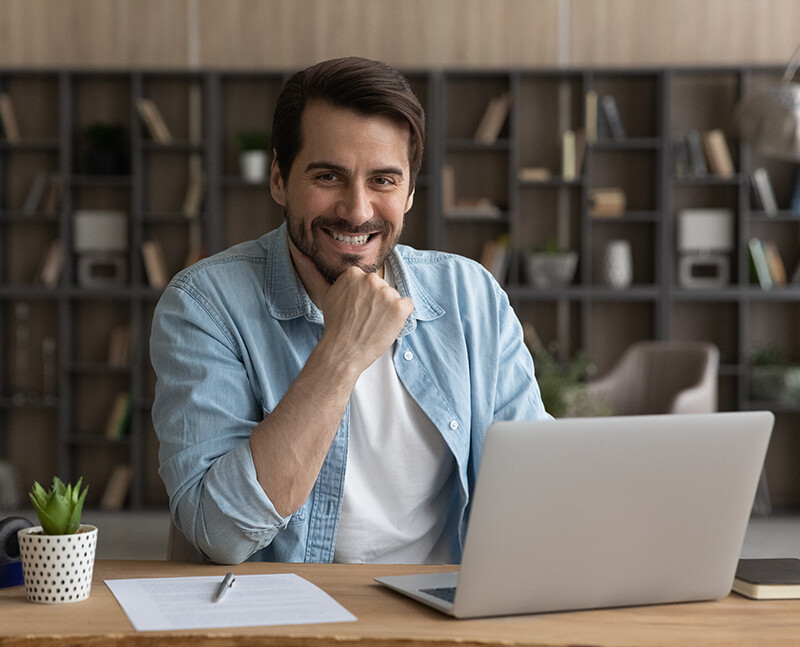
655,377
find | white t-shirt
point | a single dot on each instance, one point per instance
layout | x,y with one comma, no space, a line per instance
397,482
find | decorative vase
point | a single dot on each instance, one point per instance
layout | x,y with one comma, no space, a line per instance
57,568
253,166
618,264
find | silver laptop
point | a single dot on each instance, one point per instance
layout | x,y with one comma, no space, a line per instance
588,513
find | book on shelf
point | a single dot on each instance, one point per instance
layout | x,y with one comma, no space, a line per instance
534,174
194,194
760,273
573,149
52,198
568,162
151,115
718,155
35,193
607,202
117,488
777,270
119,417
494,116
794,204
697,159
591,117
770,578
197,249
154,264
448,188
680,156
119,346
610,112
494,257
474,208
51,265
9,118
796,274
763,192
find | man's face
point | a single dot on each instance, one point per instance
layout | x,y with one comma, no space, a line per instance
348,188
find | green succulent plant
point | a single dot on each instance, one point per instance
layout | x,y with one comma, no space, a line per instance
253,140
59,508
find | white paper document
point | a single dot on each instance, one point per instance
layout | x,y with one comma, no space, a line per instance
167,603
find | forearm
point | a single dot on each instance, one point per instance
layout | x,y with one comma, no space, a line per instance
289,446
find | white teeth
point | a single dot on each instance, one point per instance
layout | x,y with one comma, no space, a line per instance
350,240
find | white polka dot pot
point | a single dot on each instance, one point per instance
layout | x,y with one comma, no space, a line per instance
57,568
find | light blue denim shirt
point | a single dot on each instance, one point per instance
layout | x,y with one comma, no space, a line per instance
232,332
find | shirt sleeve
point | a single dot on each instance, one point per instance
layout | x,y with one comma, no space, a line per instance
518,396
203,414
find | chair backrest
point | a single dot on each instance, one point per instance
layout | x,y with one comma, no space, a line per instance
662,377
179,549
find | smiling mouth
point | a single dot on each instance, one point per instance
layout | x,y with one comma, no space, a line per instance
360,239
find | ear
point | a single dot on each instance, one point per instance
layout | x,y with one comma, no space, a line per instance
276,184
409,201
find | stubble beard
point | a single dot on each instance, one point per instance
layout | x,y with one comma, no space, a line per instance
305,240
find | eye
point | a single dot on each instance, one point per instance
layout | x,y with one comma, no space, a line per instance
384,181
326,177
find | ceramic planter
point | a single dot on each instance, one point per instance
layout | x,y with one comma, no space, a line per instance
552,270
253,166
57,568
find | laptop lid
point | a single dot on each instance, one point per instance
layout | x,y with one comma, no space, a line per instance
599,512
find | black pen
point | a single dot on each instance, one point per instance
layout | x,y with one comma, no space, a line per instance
223,587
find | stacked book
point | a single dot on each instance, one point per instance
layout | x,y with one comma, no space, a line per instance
607,203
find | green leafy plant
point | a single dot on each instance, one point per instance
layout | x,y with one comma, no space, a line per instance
562,381
252,140
549,246
766,355
59,509
106,137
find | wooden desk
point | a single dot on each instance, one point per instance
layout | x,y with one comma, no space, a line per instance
388,619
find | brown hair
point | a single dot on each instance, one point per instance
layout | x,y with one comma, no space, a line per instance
366,86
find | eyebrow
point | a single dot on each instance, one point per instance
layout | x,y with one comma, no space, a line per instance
330,166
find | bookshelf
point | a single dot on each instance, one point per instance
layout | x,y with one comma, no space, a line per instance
510,186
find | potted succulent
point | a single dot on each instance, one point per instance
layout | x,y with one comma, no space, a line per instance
58,555
253,146
551,267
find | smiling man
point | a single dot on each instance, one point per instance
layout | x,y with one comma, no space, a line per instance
323,392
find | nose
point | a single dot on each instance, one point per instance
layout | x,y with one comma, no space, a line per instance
355,205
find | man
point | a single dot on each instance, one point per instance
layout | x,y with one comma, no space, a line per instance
323,392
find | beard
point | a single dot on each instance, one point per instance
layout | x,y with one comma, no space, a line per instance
306,240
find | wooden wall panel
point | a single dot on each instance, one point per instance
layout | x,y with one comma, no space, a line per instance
676,32
93,33
412,33
286,34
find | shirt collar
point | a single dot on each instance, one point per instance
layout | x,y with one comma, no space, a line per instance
286,298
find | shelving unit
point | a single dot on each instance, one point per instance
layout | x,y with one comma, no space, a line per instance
46,430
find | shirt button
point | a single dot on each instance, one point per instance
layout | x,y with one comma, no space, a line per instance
453,425
408,355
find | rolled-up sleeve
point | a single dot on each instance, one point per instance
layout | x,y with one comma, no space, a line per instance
203,414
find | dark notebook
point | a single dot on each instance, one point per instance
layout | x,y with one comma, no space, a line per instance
768,578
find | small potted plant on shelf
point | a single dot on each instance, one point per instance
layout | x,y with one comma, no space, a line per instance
551,267
772,377
253,146
58,555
